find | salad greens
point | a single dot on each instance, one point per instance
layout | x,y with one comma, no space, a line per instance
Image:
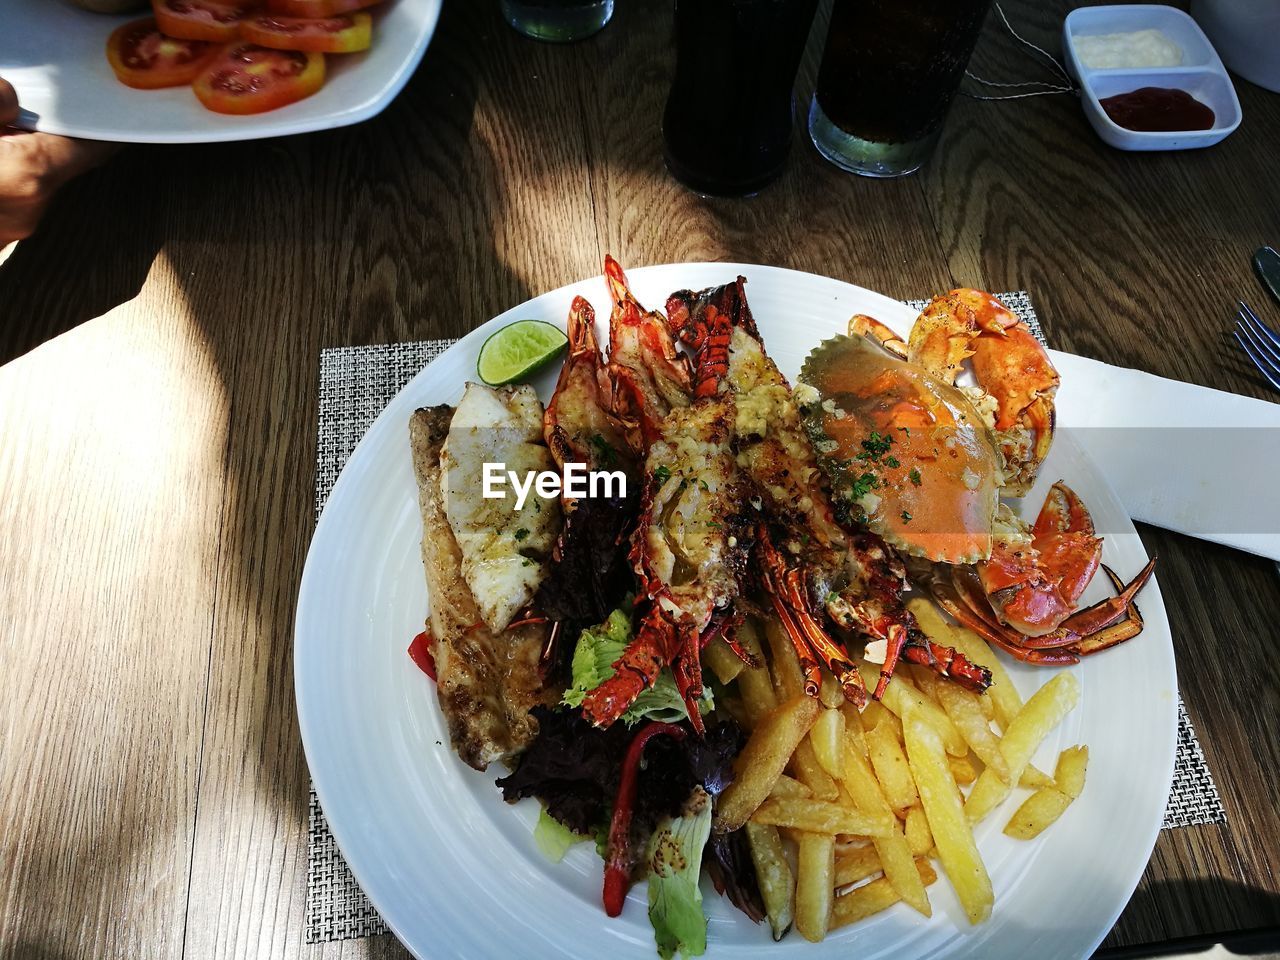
553,838
598,648
674,858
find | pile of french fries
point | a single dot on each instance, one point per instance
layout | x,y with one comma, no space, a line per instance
868,800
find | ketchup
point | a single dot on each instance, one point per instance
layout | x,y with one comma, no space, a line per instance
1158,109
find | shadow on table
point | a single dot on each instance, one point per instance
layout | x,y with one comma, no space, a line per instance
1172,897
376,233
83,271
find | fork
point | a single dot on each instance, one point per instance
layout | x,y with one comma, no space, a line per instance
1260,342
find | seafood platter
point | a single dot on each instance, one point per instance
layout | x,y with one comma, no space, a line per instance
850,643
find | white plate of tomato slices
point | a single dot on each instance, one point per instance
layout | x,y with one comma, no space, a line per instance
55,55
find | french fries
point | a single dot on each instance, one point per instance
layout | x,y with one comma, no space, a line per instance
1003,695
817,816
868,797
788,681
901,697
1069,774
893,851
941,800
891,767
722,661
815,886
871,898
786,786
773,874
964,708
827,738
962,769
854,866
919,836
767,752
1049,803
755,686
805,765
1038,716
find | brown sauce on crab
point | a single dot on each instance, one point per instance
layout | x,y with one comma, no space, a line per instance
905,448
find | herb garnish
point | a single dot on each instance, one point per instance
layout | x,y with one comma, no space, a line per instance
605,453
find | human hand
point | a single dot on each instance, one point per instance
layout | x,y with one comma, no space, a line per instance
33,166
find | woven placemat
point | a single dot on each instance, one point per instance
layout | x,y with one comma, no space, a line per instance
356,383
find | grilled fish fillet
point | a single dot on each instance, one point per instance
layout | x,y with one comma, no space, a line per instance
486,680
505,552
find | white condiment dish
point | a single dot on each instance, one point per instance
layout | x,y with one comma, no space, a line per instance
1200,74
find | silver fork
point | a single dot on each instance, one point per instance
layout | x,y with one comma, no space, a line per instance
1260,342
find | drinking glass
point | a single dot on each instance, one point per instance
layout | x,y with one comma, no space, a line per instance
889,72
727,126
559,21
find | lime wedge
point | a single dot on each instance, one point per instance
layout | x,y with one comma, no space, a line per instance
519,350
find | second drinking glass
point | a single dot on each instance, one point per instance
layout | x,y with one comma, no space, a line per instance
889,72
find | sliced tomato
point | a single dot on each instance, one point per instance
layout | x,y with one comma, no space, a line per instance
345,33
198,19
316,9
143,57
247,78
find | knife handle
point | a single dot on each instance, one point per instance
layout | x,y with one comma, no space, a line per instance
1266,263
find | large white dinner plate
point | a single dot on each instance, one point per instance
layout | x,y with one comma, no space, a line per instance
54,55
454,870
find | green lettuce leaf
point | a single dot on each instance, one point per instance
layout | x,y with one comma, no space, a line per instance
674,858
599,648
552,837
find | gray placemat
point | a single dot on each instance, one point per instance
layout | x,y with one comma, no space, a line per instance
356,383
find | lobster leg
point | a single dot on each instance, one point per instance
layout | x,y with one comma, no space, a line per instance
687,671
726,628
808,665
836,660
948,662
655,645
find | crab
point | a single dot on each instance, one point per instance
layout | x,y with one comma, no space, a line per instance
923,463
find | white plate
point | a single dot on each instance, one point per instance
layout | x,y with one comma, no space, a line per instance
54,55
454,871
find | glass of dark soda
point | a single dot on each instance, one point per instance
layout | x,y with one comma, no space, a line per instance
727,126
559,21
889,72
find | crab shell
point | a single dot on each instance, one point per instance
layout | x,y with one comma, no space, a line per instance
934,491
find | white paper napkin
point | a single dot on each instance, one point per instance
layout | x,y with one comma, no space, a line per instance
1183,457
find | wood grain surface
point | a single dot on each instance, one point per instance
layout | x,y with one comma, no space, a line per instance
160,337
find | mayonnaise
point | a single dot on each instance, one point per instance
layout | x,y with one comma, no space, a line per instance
1141,48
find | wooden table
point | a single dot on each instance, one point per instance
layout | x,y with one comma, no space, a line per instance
161,336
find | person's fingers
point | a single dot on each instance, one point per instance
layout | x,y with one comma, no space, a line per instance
32,168
8,103
65,157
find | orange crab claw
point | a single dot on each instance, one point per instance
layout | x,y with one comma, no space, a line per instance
1034,587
